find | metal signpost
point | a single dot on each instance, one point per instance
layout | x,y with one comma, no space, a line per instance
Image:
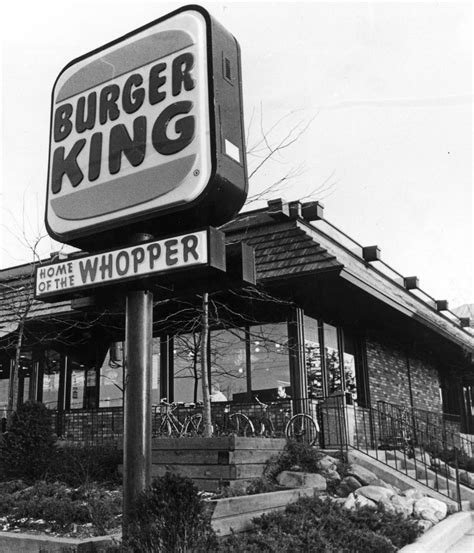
147,138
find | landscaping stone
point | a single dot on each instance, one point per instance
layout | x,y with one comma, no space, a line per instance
425,524
347,486
327,463
430,509
332,476
361,501
412,493
292,479
350,502
402,505
365,476
375,493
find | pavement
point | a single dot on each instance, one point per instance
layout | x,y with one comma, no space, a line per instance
455,534
465,544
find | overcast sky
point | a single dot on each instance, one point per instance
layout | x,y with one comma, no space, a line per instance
387,88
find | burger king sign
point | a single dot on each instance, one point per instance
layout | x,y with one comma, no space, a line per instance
147,134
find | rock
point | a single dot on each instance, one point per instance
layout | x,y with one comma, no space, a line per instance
402,505
362,474
292,479
382,483
347,486
467,478
327,463
332,475
430,516
361,501
375,493
350,502
430,509
425,524
412,493
386,503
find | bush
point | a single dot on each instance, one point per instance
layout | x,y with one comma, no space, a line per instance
295,453
317,525
80,465
28,446
170,517
59,506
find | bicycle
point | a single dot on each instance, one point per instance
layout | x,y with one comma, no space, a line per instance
170,426
265,426
236,424
303,428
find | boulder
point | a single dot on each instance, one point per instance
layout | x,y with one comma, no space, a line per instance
347,486
332,475
361,501
350,502
430,509
292,479
375,493
412,493
402,505
365,476
386,503
425,524
327,463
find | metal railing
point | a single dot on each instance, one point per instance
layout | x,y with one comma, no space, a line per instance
398,437
105,425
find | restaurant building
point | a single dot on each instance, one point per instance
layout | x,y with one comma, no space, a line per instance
327,318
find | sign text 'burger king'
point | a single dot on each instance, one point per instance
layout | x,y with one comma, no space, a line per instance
145,127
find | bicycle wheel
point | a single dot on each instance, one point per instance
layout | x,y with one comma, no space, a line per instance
302,428
241,425
265,428
194,425
164,428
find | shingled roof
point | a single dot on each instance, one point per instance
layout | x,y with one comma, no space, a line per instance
281,248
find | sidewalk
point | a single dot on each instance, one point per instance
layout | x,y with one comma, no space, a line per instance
465,544
454,534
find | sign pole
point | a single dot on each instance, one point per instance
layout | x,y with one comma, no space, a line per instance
137,398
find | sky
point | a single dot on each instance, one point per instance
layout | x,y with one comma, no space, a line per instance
378,96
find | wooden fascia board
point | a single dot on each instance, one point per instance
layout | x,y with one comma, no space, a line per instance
368,279
361,284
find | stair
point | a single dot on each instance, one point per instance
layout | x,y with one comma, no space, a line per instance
413,472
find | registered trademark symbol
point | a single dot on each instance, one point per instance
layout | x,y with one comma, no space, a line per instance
196,172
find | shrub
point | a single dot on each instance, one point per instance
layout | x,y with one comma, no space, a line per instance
317,525
170,517
28,446
60,506
80,465
295,453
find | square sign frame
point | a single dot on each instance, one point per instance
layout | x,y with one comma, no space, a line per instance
147,135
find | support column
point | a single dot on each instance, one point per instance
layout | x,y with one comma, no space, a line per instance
137,398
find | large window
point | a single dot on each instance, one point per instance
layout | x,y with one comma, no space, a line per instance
187,368
269,359
111,377
228,364
312,351
332,359
51,378
339,368
4,385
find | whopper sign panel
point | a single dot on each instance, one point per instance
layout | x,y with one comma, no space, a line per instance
147,134
69,278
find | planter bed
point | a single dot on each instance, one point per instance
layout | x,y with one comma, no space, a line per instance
236,513
13,542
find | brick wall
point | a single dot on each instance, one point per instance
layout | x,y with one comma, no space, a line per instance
389,379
